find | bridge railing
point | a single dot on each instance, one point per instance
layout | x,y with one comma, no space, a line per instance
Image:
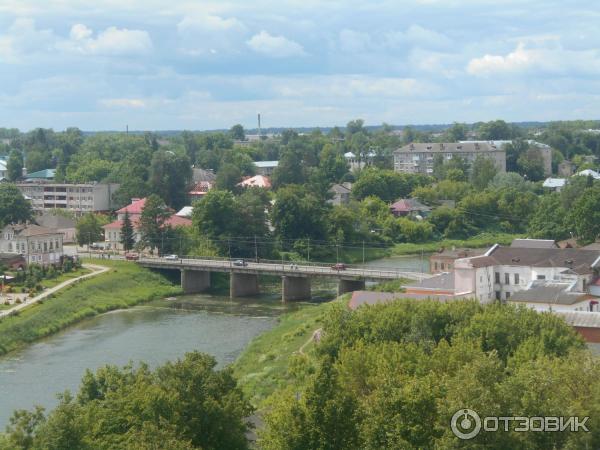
291,267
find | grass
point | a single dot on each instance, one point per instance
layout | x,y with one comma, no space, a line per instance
481,240
263,365
49,283
124,285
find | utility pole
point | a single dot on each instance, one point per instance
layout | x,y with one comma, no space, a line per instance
255,249
308,249
363,252
337,252
162,242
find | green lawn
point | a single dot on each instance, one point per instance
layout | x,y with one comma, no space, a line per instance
125,285
48,283
263,365
481,240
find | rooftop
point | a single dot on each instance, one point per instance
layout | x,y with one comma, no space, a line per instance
28,230
458,253
339,189
46,174
266,163
256,181
408,205
55,221
458,147
589,172
554,182
135,207
533,243
578,260
443,281
543,291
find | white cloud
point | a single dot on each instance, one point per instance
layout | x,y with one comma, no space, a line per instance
123,103
352,41
205,34
208,23
23,38
517,60
274,46
112,41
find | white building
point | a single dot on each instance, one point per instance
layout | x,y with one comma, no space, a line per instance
38,245
265,168
420,157
3,169
79,198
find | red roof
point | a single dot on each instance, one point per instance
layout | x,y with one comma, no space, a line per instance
201,188
135,207
173,221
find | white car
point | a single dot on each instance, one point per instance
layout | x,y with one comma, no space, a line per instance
172,257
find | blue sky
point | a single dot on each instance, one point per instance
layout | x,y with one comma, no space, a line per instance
203,65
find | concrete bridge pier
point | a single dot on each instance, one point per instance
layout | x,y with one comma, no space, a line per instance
295,288
243,284
350,286
194,281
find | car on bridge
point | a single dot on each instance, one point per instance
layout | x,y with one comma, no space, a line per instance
132,256
240,263
172,257
338,266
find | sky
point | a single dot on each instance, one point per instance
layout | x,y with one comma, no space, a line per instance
166,65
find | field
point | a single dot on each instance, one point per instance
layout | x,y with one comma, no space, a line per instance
125,285
481,240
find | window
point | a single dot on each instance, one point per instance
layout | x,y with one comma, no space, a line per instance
497,278
516,278
507,295
442,266
506,278
541,277
436,266
497,295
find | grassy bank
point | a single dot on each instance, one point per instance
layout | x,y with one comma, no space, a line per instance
263,366
125,285
481,240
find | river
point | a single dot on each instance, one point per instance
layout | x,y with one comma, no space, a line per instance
154,333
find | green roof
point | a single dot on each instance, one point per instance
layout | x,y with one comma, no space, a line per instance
46,173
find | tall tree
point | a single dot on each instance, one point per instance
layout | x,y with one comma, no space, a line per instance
127,233
152,223
483,172
237,132
13,206
89,229
14,165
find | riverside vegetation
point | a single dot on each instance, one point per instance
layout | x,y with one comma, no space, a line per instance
123,286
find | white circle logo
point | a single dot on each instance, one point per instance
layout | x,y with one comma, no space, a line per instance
465,424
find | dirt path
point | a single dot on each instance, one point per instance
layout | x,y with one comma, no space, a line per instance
316,335
96,270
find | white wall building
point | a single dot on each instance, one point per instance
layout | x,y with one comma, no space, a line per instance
38,245
79,198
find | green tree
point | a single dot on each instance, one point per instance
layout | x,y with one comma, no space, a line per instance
548,219
228,177
531,164
89,229
153,223
170,175
586,215
298,213
483,172
237,132
14,165
127,233
13,206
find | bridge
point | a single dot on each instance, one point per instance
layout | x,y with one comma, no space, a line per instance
295,278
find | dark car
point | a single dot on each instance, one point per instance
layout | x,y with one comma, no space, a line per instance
240,262
339,266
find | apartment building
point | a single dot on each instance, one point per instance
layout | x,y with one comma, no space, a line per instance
79,198
420,157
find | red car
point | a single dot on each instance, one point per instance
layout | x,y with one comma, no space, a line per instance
132,256
339,266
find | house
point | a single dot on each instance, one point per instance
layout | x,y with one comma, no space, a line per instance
503,271
340,194
589,173
544,149
112,231
199,190
409,207
443,260
79,198
261,181
554,184
420,157
38,245
59,223
265,168
551,295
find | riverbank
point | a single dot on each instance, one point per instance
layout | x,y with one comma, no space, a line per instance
122,286
264,365
479,241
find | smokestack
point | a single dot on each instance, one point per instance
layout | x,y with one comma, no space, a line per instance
259,131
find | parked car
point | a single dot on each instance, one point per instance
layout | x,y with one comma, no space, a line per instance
172,257
240,262
132,256
339,266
